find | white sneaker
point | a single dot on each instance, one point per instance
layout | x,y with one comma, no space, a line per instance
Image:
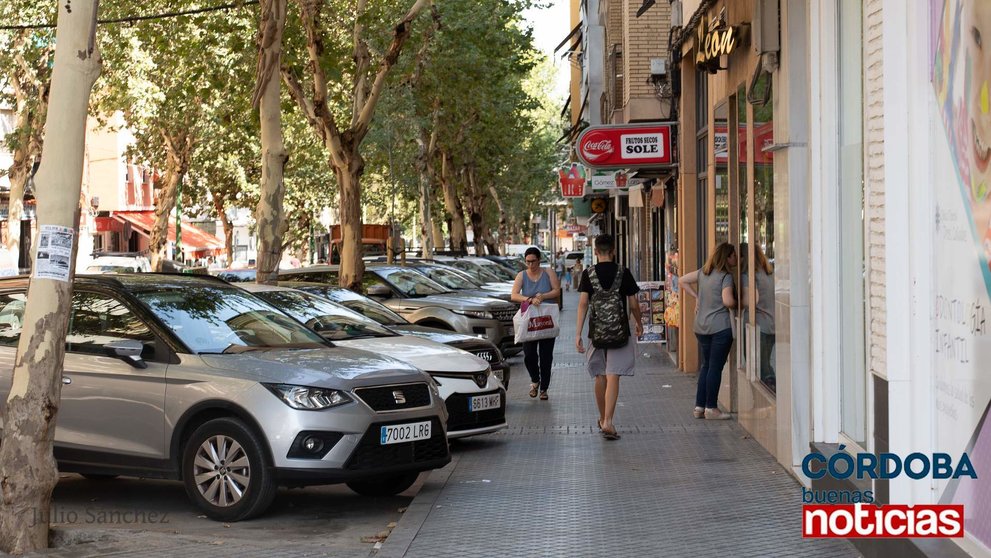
716,414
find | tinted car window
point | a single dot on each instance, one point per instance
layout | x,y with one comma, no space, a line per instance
218,319
360,304
411,283
98,320
11,317
329,319
498,271
448,278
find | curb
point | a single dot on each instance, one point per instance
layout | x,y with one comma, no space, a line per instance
416,514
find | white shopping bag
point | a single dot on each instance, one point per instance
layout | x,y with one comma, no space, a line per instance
533,322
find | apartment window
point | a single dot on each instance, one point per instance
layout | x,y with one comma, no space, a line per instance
853,370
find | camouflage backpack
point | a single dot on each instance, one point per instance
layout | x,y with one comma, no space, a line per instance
609,327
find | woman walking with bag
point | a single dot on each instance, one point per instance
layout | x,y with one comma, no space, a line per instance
712,286
535,286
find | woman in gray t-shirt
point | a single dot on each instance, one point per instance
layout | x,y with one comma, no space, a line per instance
712,286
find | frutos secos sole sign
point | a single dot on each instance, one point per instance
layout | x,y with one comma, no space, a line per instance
626,146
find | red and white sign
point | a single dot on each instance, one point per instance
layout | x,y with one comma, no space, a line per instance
888,521
626,146
572,181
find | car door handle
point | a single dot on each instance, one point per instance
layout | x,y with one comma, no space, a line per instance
66,380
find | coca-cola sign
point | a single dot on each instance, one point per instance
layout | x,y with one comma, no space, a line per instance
626,146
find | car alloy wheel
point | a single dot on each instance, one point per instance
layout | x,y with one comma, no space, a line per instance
224,469
221,471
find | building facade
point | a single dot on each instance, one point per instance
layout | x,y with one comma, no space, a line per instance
842,147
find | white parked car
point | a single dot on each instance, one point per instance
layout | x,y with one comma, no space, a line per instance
475,398
119,264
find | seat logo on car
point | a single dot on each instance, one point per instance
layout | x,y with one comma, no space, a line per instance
399,397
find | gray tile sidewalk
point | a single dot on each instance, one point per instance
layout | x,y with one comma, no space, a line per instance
551,486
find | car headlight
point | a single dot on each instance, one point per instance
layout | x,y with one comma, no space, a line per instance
308,398
481,314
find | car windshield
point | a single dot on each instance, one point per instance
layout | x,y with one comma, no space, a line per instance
498,271
449,278
215,320
359,303
329,319
476,270
411,283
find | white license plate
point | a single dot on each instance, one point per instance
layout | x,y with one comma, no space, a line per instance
483,402
399,433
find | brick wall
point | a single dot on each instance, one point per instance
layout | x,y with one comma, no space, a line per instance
874,172
644,38
614,57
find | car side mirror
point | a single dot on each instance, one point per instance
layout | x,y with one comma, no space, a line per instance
379,290
128,350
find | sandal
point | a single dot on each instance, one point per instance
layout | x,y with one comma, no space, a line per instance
533,390
543,396
598,422
614,435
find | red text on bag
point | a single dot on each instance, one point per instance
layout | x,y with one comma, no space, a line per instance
540,322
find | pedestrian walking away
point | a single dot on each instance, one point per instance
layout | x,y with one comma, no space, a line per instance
559,267
712,287
576,273
536,285
608,294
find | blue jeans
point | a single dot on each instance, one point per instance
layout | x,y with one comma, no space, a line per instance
715,350
538,356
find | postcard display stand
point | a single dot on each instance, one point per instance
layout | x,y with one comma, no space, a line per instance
651,300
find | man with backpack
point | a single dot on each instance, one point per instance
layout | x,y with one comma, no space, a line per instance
609,295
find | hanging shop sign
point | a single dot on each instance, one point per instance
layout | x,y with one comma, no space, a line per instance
572,181
602,180
714,41
599,205
626,146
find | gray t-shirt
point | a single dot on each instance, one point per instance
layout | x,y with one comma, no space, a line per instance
712,316
765,301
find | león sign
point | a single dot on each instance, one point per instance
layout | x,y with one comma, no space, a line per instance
709,46
626,146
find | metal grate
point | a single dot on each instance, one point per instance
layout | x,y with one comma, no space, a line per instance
395,398
504,315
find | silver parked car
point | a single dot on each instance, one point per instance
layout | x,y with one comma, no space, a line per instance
426,302
190,378
475,399
482,348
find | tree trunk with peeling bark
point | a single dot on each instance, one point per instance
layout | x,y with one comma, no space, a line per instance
344,145
456,211
350,212
221,208
270,214
27,466
503,221
158,244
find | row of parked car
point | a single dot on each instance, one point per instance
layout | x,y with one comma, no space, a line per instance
236,389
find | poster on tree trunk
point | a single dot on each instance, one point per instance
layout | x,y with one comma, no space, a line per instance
54,253
651,301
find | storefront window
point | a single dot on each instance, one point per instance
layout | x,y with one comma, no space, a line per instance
721,159
763,241
739,146
853,375
702,164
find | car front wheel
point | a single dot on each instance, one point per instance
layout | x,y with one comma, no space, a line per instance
384,486
225,471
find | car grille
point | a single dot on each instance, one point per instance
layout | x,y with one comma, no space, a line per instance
395,398
459,418
504,315
371,454
486,355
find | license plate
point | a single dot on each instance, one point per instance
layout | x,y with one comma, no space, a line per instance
483,402
399,433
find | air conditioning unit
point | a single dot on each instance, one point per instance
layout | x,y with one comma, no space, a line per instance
676,13
658,67
766,26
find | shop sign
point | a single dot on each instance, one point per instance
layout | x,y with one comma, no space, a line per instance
611,180
719,40
572,181
599,205
626,146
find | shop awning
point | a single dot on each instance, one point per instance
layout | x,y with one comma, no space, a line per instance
193,238
575,31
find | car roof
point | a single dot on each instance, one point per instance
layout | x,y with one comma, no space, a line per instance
133,281
257,288
309,269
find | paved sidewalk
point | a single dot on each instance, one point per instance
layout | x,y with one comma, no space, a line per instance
551,486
